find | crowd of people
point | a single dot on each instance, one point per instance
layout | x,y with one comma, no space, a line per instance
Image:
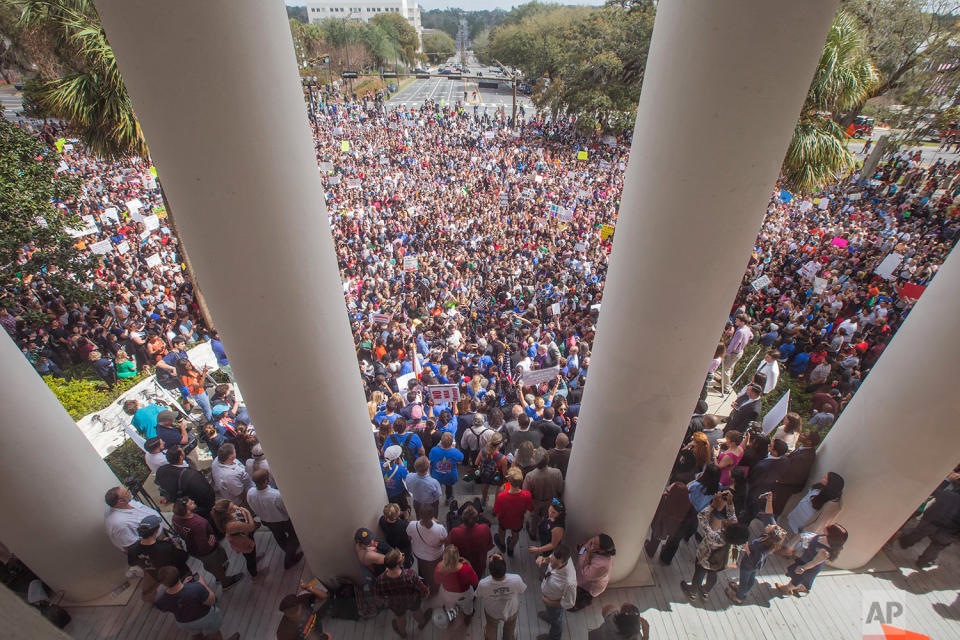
473,253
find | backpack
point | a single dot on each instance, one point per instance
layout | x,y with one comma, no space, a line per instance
409,455
166,495
470,454
490,470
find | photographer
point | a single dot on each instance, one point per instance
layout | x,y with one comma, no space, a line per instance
177,480
720,531
593,565
173,435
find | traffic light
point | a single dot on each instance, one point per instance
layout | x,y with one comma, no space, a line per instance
348,74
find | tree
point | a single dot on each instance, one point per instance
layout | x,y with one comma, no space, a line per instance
34,244
402,36
818,152
91,95
297,13
438,46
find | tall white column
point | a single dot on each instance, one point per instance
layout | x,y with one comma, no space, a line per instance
894,443
52,484
215,87
722,92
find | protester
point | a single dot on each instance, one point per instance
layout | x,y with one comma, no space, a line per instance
558,590
237,524
154,455
756,552
594,563
402,590
624,623
426,491
192,603
300,621
545,485
500,595
267,503
551,529
177,479
201,541
820,548
817,509
394,525
510,508
719,531
443,464
123,517
492,466
472,539
457,581
151,552
427,538
940,522
230,478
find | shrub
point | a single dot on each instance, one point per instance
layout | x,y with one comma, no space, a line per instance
127,460
83,394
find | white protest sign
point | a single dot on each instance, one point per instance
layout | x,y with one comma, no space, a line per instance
100,247
384,160
68,147
810,270
580,247
382,318
133,205
489,135
90,220
603,164
337,131
533,378
824,203
610,141
326,166
151,222
332,180
153,261
411,263
886,268
444,392
583,195
144,235
776,415
527,193
555,309
123,247
760,283
403,382
854,196
819,285
110,213
805,206
353,183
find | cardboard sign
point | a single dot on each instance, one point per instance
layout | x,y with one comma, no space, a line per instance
886,268
123,247
581,155
819,285
533,378
382,318
110,213
326,166
411,263
134,205
444,392
776,415
153,261
760,283
345,145
606,231
151,222
580,247
353,183
555,309
101,247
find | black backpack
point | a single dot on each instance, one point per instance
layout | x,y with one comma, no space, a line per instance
489,470
409,455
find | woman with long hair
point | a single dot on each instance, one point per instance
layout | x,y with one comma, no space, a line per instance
691,459
551,529
237,524
803,571
789,431
817,509
193,380
375,404
492,466
731,456
457,581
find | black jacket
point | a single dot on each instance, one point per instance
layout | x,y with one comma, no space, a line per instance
184,481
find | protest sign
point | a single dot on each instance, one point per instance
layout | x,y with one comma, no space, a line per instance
101,247
581,155
411,263
59,144
580,247
886,268
824,203
153,261
805,206
134,205
345,145
160,212
604,165
382,318
785,196
606,231
854,196
151,222
332,180
776,415
532,378
41,221
353,183
527,193
110,213
444,392
489,135
760,283
123,247
326,166
819,285
89,220
153,171
555,309
840,242
583,195
810,270
610,141
911,291
403,382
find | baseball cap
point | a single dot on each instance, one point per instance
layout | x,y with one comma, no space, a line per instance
148,525
166,416
363,535
219,409
393,452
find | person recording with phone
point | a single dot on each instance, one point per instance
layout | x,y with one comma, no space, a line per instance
757,551
720,531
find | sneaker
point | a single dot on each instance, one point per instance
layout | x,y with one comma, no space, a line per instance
688,590
232,580
497,540
704,593
293,561
732,595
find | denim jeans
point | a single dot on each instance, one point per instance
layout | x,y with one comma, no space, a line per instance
203,400
748,578
555,620
699,573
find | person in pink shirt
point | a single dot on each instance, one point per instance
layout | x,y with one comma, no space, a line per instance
593,565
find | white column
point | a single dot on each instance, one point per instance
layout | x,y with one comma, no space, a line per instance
722,92
20,621
52,484
215,87
895,441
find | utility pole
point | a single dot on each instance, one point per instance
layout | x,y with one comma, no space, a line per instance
513,118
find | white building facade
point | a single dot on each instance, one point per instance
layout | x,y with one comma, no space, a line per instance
364,10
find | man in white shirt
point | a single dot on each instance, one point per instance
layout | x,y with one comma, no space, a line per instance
154,456
770,367
427,537
230,479
558,590
267,503
500,593
123,517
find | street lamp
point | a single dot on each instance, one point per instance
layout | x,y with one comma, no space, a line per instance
346,44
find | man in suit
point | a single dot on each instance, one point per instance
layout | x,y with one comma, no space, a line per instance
746,409
763,477
794,477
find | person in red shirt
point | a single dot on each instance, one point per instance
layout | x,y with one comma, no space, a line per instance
510,507
472,539
457,580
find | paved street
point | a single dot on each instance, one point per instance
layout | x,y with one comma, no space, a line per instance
11,100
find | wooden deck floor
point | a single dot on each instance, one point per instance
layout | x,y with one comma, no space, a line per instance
831,610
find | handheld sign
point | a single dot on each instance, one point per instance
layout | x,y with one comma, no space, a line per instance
382,318
606,231
153,261
776,415
444,392
101,247
533,378
411,263
760,283
581,155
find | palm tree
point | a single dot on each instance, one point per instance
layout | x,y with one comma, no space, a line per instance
818,153
90,94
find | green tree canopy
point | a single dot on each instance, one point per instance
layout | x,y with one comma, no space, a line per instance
438,46
401,35
34,244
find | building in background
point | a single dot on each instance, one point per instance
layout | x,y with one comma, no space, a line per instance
364,10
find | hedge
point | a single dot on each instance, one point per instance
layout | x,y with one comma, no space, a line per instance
800,400
127,460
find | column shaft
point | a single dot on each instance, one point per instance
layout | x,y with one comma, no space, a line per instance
53,483
721,94
893,444
215,87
